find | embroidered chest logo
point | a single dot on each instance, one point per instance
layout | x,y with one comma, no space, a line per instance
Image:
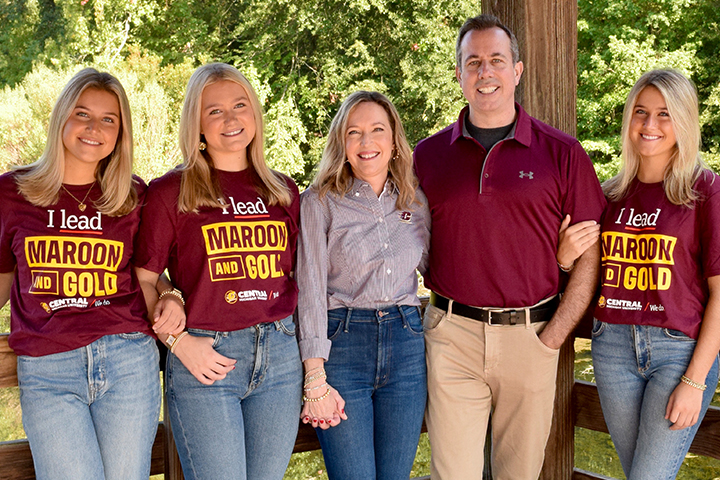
405,217
528,175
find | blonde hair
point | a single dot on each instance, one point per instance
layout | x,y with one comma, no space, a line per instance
40,182
335,173
686,164
199,186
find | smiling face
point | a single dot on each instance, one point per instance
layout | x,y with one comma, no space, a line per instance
369,143
228,123
651,128
488,77
91,132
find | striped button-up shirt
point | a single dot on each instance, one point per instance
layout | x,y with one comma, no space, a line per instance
356,251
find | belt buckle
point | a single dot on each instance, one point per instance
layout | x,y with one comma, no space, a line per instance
513,316
490,315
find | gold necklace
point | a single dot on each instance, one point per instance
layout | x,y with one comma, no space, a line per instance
81,204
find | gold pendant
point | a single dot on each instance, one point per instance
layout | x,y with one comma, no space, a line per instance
82,207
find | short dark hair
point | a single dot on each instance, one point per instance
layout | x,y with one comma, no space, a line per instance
481,23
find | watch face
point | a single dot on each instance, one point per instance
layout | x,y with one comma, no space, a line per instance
170,340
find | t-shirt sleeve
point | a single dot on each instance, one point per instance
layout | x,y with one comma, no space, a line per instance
710,233
584,199
7,258
156,235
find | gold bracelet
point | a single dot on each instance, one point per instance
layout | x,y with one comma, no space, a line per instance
310,373
315,388
310,380
177,340
175,293
317,399
699,386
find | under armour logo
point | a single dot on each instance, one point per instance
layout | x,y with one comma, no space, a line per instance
528,175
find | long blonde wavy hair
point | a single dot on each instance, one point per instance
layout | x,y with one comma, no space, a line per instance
199,186
335,173
40,182
686,164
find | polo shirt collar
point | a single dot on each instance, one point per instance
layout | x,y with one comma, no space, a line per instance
521,131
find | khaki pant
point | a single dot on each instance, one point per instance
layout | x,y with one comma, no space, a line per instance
474,368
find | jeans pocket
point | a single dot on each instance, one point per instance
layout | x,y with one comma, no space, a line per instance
433,318
199,332
598,328
132,335
412,322
287,326
335,324
677,335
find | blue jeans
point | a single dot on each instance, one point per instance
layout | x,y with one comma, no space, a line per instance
92,412
377,363
244,426
636,369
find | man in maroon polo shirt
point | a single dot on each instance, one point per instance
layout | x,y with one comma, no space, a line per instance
499,183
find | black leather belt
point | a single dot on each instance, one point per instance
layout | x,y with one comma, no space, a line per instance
491,316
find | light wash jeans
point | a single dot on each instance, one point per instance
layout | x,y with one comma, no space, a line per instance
636,369
92,412
244,426
377,364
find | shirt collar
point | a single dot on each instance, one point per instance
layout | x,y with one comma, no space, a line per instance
358,185
520,131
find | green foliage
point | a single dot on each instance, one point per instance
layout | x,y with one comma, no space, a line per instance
303,56
618,40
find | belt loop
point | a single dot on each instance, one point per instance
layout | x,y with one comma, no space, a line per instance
402,314
347,319
449,310
527,317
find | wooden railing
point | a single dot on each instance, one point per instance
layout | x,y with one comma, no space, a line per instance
577,405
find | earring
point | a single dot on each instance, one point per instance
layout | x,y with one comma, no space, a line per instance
396,155
202,146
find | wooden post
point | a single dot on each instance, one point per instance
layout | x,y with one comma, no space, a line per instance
547,36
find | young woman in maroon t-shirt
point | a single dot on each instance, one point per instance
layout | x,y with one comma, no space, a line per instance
87,360
656,332
225,226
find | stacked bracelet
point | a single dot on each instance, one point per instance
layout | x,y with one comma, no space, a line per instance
699,386
317,399
316,387
319,376
310,373
175,293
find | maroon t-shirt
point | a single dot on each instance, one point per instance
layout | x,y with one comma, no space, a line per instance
233,265
496,215
657,257
73,282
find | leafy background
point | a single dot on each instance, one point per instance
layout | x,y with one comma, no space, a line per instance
304,57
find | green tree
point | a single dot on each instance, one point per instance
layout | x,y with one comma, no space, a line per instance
618,40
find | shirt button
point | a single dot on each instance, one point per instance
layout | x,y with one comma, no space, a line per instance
385,245
380,220
388,271
357,194
387,299
487,175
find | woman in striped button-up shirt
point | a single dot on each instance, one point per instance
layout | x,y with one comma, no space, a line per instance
365,229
